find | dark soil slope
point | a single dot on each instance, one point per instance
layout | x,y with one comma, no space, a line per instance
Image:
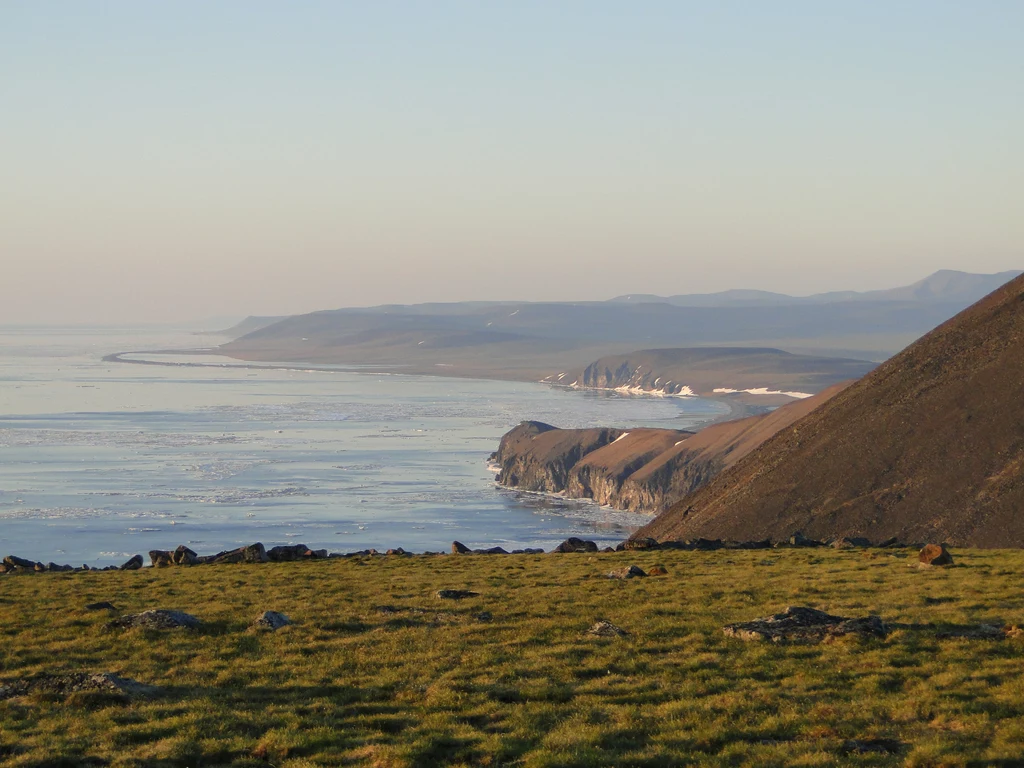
930,446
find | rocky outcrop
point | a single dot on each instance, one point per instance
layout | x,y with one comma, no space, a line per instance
639,470
805,624
157,619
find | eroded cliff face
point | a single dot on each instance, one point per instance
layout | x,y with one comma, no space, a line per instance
640,470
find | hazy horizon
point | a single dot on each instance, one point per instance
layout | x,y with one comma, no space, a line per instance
174,163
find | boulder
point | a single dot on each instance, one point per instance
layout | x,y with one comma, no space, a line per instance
458,548
285,553
642,543
316,554
935,554
256,553
54,568
805,624
658,570
456,594
705,545
4,567
133,564
157,619
606,629
14,560
76,682
160,558
576,545
491,551
799,540
484,616
271,620
890,542
629,572
182,555
397,551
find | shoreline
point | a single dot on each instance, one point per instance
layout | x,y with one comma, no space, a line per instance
738,408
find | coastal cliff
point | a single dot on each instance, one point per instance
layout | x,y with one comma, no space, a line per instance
638,470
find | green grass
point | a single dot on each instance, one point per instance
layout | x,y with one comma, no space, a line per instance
434,685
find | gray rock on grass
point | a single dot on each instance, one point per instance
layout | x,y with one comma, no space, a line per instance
606,629
629,572
158,618
271,620
805,624
456,594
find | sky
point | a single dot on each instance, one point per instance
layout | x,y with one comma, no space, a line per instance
164,162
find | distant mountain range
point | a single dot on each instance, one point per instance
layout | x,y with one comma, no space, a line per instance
532,341
927,447
946,285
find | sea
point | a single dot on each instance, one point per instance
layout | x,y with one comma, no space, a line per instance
101,460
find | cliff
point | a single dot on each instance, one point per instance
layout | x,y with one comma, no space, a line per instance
639,470
928,447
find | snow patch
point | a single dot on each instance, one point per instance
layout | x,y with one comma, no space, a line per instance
624,434
763,391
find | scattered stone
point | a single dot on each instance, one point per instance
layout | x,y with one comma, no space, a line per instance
157,619
397,551
287,553
456,594
458,548
867,746
576,545
491,551
935,554
806,624
102,606
74,682
799,540
160,558
606,629
658,570
271,620
643,543
182,555
14,560
484,616
629,572
133,564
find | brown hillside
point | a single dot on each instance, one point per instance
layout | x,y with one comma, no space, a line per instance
930,446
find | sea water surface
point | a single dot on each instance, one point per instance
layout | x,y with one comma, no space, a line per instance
101,460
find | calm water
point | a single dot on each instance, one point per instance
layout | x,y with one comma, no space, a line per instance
101,460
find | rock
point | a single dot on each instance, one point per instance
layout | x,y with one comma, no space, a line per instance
255,553
75,682
533,551
705,545
271,620
4,567
491,551
980,632
807,624
286,553
458,548
54,568
641,543
935,554
867,746
890,542
399,551
456,594
576,545
762,544
483,616
160,558
658,570
315,554
629,572
133,564
14,560
182,555
606,550
606,629
799,540
39,568
157,619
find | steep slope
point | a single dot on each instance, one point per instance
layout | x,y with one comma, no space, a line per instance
640,470
930,446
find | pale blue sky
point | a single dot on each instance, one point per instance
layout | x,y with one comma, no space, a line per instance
165,161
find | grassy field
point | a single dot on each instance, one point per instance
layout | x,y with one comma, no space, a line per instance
431,682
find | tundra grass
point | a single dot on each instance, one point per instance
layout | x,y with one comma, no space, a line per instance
377,671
